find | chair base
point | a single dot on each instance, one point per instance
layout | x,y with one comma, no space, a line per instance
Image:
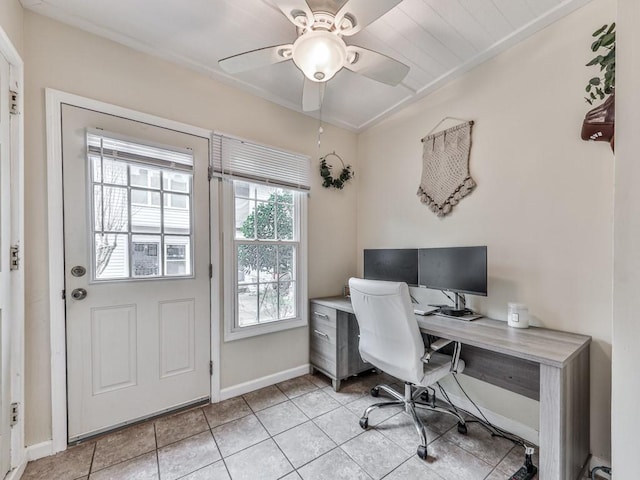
409,402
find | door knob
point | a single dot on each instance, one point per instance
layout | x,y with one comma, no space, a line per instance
79,293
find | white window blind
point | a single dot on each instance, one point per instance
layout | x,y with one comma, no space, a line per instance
259,163
111,146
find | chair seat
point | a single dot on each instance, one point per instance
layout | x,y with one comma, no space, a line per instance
439,366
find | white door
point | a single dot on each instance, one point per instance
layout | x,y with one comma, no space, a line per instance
136,210
5,285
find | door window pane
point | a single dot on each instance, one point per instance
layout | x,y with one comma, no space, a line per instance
176,182
96,168
146,177
115,211
114,172
177,220
145,217
177,256
173,200
145,256
111,256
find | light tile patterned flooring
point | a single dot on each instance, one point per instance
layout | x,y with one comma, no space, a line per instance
296,429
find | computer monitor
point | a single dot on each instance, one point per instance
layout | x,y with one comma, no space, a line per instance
456,269
392,264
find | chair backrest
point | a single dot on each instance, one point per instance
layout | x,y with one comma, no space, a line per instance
389,335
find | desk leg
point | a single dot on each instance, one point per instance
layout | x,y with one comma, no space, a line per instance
564,419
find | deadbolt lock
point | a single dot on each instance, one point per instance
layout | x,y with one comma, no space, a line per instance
78,271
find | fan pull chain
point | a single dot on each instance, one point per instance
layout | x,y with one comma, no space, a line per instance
320,129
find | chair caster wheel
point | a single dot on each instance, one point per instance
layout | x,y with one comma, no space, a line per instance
375,391
422,452
364,423
462,428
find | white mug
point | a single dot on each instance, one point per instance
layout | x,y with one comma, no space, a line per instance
518,315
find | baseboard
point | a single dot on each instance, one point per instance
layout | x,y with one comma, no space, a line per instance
33,452
17,472
39,450
523,431
258,383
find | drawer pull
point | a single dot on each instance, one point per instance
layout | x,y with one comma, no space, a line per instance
322,334
321,315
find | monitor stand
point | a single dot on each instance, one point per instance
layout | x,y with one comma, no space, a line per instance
459,309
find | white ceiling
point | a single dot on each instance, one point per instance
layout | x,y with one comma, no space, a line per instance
438,39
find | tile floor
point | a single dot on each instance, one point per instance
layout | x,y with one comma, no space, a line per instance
298,429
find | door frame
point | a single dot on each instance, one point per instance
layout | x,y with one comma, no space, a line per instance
16,79
54,101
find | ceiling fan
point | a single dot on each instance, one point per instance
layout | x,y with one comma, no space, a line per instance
320,51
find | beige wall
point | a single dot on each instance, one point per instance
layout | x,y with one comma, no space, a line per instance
625,415
543,204
11,21
68,59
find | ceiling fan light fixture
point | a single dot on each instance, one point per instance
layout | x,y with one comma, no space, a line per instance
319,54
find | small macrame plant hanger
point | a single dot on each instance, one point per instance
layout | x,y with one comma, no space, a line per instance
445,167
328,181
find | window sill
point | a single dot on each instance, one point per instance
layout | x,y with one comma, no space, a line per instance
239,333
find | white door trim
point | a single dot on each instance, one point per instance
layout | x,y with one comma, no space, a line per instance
17,237
54,101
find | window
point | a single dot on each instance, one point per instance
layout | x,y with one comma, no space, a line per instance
141,198
266,246
265,238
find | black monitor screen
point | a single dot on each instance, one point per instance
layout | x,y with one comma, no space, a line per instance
393,265
458,269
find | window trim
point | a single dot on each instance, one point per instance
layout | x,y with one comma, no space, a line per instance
231,330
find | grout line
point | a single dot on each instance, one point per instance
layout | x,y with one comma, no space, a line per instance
155,437
226,467
398,466
93,455
206,419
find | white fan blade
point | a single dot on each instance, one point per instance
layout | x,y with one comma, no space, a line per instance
375,66
361,13
297,11
312,95
256,58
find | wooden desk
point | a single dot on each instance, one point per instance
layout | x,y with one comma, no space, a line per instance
548,365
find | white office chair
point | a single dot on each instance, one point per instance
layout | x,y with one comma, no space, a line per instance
390,340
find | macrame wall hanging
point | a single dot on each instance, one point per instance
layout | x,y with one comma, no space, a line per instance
445,168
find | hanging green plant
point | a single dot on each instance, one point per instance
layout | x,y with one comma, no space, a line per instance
604,84
328,181
599,122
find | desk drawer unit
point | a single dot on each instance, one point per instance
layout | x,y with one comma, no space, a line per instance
323,342
333,343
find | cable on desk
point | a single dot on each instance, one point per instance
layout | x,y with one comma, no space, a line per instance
447,295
